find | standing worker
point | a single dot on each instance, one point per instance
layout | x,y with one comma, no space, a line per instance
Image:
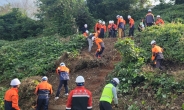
159,20
84,29
11,98
149,18
43,90
131,24
98,25
109,92
100,46
157,55
109,29
63,73
121,26
102,30
90,42
80,98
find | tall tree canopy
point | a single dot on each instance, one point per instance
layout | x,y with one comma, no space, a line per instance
63,16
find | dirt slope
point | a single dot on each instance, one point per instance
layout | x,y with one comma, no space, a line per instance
94,71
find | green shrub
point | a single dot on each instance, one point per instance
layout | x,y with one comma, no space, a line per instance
2,91
30,57
170,37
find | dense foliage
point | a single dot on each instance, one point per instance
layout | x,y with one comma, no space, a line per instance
63,17
2,91
34,56
14,25
170,37
134,80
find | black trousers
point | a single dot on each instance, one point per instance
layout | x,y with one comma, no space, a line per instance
42,104
131,31
105,105
159,63
62,82
100,52
149,24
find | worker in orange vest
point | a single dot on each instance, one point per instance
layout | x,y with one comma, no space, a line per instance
63,73
103,30
121,26
100,46
159,20
98,25
43,90
149,18
109,28
157,55
86,34
131,26
11,98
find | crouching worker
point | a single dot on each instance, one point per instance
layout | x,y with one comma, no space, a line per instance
43,90
80,98
157,55
109,92
11,97
100,44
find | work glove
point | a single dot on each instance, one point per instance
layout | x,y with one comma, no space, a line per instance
116,105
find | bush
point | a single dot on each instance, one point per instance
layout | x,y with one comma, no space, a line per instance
2,91
170,37
30,57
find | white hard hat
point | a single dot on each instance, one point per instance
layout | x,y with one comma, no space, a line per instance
121,16
15,82
149,10
62,64
79,79
116,79
158,16
44,78
152,42
85,25
129,16
103,22
87,31
100,21
112,21
93,38
90,33
117,16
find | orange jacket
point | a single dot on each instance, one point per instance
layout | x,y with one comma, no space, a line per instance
62,68
11,96
131,22
159,21
155,50
99,42
104,27
120,20
44,88
85,35
97,26
109,27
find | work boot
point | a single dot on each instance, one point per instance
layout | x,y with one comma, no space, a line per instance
66,94
56,98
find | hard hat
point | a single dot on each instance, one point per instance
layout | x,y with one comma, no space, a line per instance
121,16
116,80
62,64
90,33
117,16
93,38
153,42
79,79
15,82
103,22
44,78
129,16
100,21
149,10
110,22
85,25
158,16
87,31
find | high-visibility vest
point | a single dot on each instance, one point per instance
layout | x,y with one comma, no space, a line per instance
107,94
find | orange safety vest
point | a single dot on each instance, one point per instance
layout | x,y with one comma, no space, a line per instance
155,50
